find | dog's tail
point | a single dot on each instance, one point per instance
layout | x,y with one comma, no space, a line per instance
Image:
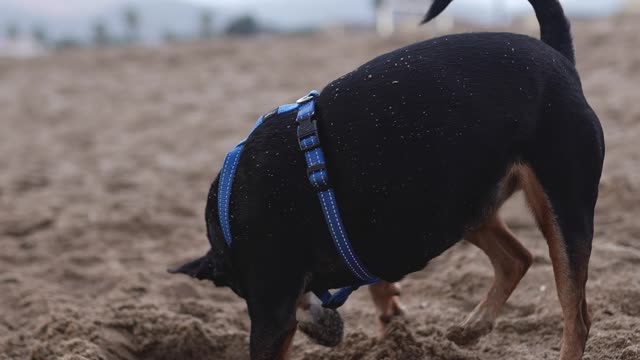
555,29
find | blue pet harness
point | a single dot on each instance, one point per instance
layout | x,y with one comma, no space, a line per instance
309,141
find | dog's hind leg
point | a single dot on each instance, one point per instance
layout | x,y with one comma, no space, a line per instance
568,229
560,178
386,297
510,262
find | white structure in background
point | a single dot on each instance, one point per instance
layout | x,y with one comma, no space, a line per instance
633,6
23,46
393,15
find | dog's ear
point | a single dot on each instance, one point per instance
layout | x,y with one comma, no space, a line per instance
203,268
196,268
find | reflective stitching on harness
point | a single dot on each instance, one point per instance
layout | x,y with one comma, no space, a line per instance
315,153
222,201
346,244
235,160
309,160
333,233
323,173
231,163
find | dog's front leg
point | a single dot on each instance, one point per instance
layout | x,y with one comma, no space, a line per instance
273,318
269,340
386,297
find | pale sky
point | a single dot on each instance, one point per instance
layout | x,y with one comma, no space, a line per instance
61,7
304,7
71,7
226,2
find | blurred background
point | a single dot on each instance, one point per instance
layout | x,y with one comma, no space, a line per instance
115,116
36,26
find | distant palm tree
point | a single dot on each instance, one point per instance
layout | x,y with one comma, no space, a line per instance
243,25
132,22
101,34
12,32
66,43
206,24
39,34
169,36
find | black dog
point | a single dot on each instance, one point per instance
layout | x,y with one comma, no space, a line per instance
423,146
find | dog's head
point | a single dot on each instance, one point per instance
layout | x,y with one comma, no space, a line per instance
216,265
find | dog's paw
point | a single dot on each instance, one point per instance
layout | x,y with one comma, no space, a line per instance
470,333
323,326
394,310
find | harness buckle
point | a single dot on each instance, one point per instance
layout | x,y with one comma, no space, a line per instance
318,177
307,128
308,138
315,168
305,99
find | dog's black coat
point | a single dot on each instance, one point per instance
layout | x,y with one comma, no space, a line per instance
416,143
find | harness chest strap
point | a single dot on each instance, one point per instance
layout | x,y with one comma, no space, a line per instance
228,173
309,141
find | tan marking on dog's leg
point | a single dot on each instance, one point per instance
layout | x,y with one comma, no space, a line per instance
570,286
386,297
510,260
305,301
285,352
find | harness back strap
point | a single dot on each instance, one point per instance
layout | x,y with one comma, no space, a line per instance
309,141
